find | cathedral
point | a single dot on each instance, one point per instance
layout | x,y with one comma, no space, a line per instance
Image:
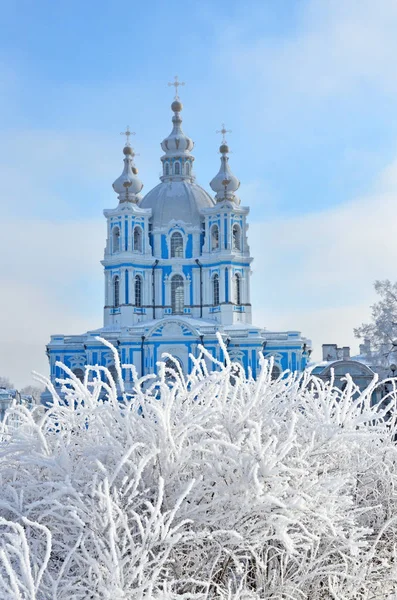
177,269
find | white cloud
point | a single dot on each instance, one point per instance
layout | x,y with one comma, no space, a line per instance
338,57
334,46
51,282
315,272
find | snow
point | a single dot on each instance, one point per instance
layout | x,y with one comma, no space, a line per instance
211,486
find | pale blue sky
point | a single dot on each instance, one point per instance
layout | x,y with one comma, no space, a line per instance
308,88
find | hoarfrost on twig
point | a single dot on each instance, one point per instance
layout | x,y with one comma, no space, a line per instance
210,485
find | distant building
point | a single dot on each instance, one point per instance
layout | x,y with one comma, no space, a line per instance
7,396
338,363
177,269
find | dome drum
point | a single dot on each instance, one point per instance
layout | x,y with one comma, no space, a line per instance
177,167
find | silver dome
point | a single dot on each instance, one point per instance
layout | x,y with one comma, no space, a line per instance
179,200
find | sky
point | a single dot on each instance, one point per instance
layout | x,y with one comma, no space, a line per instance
309,90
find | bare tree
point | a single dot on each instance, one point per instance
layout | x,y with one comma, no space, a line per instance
380,334
6,383
33,390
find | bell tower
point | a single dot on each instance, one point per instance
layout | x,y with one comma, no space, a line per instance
226,252
128,250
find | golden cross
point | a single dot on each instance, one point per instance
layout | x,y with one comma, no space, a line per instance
176,84
224,131
127,134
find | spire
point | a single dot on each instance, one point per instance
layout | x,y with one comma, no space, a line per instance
225,183
177,160
128,185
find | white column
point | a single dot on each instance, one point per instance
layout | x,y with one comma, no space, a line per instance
222,285
109,299
122,287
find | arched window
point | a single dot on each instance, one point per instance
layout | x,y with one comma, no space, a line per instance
113,372
79,373
176,245
171,369
177,295
215,290
236,237
116,291
137,239
214,237
276,372
167,168
187,168
138,290
116,239
177,168
237,289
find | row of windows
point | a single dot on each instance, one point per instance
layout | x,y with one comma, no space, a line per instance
136,239
236,237
177,168
236,289
137,291
176,240
177,291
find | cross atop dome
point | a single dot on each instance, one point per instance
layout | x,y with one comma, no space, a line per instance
176,85
224,131
127,134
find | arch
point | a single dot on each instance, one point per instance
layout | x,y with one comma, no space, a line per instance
214,237
215,290
276,372
176,245
237,370
138,290
113,372
177,295
116,239
187,168
79,373
177,168
116,291
171,368
236,237
137,238
167,168
237,288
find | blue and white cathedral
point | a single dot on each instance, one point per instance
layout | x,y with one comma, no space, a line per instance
177,269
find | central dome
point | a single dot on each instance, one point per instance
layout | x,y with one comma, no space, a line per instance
179,200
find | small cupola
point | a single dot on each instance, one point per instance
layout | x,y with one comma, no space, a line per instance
225,183
128,185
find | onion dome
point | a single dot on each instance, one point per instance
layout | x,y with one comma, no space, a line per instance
177,160
225,183
128,185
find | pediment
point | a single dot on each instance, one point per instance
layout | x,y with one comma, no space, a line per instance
172,329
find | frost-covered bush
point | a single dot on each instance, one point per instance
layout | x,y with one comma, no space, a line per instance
209,486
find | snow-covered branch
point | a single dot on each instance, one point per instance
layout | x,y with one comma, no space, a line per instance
212,485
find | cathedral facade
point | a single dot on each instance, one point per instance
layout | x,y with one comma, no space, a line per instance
177,268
